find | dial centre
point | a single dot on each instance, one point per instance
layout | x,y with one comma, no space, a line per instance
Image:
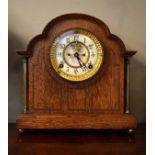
75,54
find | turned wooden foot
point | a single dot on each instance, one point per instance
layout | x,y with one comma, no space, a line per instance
130,131
20,131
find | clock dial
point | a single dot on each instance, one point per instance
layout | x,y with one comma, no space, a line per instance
76,55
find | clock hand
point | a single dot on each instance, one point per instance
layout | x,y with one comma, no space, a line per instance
77,56
79,60
84,64
79,63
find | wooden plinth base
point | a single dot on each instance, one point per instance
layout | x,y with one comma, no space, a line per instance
107,121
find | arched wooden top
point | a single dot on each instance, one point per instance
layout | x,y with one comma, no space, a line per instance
75,16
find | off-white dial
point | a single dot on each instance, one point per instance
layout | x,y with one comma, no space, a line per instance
76,55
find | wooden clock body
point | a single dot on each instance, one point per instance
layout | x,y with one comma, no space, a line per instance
51,102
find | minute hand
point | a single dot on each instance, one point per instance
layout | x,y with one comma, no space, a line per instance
81,62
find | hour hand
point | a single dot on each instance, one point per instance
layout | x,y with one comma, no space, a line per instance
82,64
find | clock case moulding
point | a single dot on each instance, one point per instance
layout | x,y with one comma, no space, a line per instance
50,102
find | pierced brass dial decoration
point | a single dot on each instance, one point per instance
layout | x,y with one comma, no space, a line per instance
76,55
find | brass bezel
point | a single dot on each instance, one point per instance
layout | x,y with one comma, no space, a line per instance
88,74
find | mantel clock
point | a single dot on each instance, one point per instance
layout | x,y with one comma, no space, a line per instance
75,76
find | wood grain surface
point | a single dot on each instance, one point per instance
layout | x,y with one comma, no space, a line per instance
115,121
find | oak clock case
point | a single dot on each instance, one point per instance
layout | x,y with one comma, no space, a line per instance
75,76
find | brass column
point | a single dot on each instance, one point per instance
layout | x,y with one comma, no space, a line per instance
127,109
24,84
127,57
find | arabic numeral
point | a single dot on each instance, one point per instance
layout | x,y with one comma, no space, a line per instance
75,71
67,40
76,37
67,70
59,54
84,40
62,46
90,46
84,69
93,54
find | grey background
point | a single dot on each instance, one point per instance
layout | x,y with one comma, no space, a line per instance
125,18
